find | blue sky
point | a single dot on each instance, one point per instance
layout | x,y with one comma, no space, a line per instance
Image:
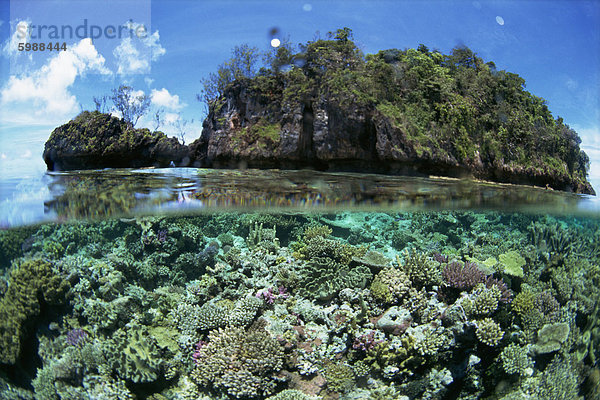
553,45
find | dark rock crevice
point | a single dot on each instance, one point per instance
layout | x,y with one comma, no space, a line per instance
305,140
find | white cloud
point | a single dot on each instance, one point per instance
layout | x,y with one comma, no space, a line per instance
10,47
44,93
135,53
162,98
129,59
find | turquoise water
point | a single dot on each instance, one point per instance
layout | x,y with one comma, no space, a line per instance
208,284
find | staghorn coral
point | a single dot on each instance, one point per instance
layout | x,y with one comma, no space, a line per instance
550,237
263,237
239,363
489,332
31,284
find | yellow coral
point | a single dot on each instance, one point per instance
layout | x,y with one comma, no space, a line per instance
523,303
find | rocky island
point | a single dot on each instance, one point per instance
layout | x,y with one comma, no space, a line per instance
329,107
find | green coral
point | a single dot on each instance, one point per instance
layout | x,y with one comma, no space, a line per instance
524,302
421,270
244,311
11,243
31,284
390,285
511,263
239,363
489,332
339,377
136,355
211,316
434,341
322,277
312,231
384,393
292,394
485,300
551,337
515,360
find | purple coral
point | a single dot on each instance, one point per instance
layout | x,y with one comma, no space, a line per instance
506,293
162,235
270,296
196,355
547,304
77,337
365,342
463,276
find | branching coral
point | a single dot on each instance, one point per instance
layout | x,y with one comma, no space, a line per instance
339,377
390,285
421,269
515,360
239,363
462,276
489,332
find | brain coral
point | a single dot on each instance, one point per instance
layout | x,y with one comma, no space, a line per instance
239,363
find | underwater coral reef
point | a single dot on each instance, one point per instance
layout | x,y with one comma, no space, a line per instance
298,306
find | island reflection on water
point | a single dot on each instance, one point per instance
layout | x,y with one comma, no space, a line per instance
121,192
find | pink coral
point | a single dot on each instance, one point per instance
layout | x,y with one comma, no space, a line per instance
462,276
507,294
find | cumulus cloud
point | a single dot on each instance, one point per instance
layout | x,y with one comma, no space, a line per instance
44,93
134,54
162,98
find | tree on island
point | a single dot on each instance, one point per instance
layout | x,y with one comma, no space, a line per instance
129,103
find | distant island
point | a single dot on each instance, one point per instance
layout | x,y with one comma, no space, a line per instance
329,107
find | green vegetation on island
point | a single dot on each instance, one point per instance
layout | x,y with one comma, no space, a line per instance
330,107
